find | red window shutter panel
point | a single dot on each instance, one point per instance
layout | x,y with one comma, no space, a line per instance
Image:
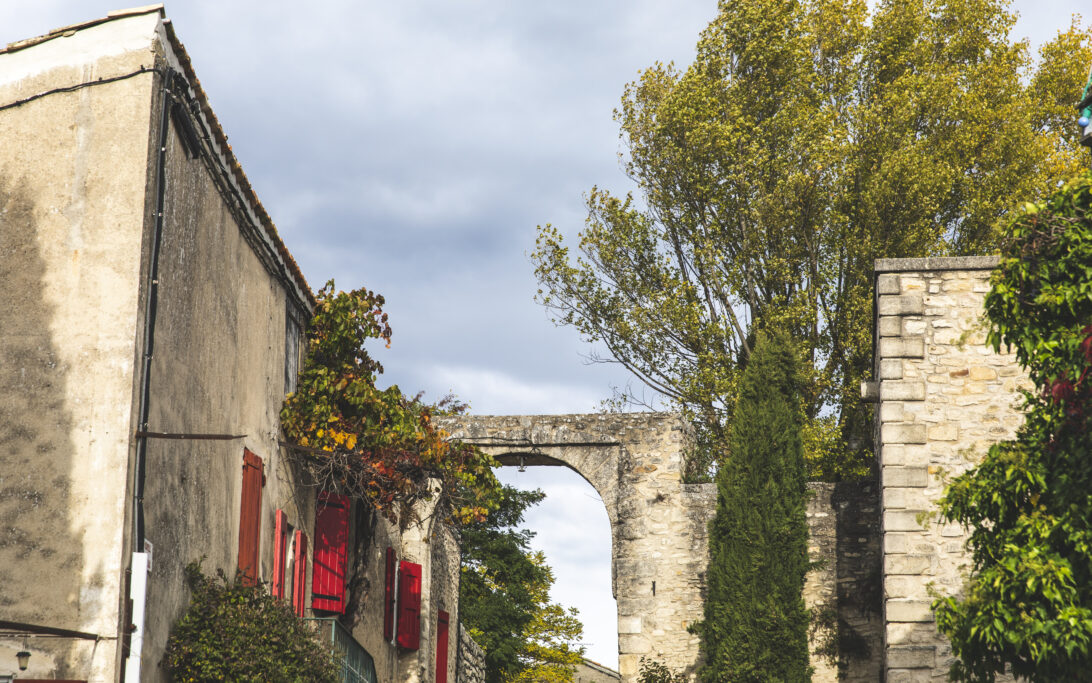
280,541
409,605
388,595
441,646
331,553
250,510
299,578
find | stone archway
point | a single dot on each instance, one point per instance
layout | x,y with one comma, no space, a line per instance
659,524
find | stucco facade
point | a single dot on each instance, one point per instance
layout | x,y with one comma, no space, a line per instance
157,327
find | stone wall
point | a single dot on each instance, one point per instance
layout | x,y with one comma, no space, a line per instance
471,659
659,549
859,561
944,398
660,525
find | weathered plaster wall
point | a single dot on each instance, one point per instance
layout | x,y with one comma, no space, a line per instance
424,539
428,542
944,398
72,189
444,595
374,534
218,368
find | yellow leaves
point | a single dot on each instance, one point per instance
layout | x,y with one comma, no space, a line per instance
338,408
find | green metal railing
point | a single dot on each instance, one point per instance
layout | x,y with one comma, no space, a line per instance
357,665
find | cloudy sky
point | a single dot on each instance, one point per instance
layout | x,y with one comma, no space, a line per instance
412,147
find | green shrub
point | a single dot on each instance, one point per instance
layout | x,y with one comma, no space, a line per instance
654,672
236,631
1028,605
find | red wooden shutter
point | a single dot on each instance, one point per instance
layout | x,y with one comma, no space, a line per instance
280,541
331,553
250,515
299,578
441,646
409,605
388,595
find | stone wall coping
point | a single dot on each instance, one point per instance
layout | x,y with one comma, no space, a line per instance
934,263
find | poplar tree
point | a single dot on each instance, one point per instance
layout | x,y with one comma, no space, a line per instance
807,139
756,626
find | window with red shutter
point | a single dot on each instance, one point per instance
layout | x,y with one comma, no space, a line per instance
409,605
388,595
250,509
331,553
299,574
441,646
280,542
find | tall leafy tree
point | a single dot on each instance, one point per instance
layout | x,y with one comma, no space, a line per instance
756,626
1028,605
504,598
808,138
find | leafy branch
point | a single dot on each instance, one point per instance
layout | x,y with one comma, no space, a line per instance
374,444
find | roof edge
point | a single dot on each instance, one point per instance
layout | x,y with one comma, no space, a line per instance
64,31
296,284
236,168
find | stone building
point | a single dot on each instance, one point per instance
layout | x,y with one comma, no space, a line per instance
588,671
150,330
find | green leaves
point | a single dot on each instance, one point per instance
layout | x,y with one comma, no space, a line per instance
756,625
1029,600
504,598
807,139
236,631
374,444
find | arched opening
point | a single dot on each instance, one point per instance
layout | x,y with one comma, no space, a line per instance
658,523
573,530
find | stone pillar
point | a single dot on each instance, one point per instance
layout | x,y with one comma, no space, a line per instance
943,398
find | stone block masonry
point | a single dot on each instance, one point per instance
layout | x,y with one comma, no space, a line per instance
659,527
944,398
471,659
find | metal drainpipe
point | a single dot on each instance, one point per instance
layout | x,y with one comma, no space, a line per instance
139,562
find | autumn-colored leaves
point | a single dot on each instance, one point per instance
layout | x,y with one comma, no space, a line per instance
373,444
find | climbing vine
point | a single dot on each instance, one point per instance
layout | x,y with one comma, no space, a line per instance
374,444
1028,605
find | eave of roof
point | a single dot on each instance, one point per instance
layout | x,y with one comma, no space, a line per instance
233,164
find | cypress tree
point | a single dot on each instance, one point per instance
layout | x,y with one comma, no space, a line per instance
756,625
